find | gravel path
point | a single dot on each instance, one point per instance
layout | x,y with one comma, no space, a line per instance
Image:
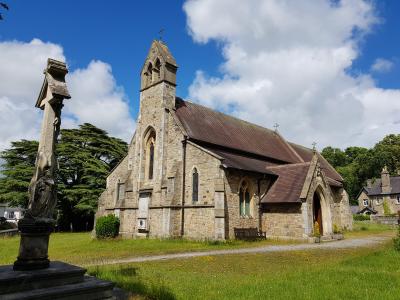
343,244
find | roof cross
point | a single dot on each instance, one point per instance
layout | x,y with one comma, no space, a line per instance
314,144
276,126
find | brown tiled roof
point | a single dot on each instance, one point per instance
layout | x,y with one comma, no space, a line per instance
376,188
242,162
287,188
206,125
307,154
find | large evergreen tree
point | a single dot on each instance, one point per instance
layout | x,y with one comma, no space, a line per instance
85,155
17,170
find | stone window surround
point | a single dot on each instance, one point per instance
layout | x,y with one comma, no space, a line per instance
398,200
198,185
365,202
245,183
149,139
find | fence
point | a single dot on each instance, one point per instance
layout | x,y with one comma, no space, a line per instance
8,232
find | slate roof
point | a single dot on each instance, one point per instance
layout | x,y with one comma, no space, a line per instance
288,186
376,188
206,125
307,154
245,146
242,162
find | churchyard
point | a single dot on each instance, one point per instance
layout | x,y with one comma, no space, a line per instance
305,274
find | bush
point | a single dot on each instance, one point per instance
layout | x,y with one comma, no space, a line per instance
396,241
361,217
107,227
316,230
386,208
336,229
4,225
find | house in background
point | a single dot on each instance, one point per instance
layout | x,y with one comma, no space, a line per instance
12,214
380,195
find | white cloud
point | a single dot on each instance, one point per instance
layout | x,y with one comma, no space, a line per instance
96,97
287,62
382,65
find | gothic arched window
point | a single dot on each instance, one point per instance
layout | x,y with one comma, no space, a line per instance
150,152
244,200
157,70
195,185
149,74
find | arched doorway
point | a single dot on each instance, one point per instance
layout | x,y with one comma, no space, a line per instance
322,212
317,212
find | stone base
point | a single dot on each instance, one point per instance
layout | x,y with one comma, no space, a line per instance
34,244
59,281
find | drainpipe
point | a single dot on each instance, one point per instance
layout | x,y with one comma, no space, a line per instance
184,142
259,205
259,200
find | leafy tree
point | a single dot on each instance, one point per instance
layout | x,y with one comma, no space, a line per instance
335,156
357,164
85,155
17,172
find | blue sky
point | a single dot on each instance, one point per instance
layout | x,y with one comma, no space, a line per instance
119,34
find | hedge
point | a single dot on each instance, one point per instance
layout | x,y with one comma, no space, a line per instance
361,217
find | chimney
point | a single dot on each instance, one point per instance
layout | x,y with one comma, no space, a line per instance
386,188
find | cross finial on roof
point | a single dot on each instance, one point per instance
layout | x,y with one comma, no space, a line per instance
314,144
276,126
160,34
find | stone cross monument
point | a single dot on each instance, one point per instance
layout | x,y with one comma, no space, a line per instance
38,221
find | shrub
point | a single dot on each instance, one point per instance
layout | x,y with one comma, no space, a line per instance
361,217
396,240
4,225
107,227
386,208
316,230
336,229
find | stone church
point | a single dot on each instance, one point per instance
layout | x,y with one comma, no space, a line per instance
197,173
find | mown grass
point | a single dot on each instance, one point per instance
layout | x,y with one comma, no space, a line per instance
365,228
81,249
315,274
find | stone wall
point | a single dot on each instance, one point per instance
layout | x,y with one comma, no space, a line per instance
199,223
388,220
283,220
233,218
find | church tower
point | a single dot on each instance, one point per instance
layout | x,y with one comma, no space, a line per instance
149,146
158,75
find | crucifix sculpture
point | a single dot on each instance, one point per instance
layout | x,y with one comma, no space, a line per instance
38,221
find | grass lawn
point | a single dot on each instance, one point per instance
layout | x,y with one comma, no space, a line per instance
81,249
364,273
325,274
365,228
